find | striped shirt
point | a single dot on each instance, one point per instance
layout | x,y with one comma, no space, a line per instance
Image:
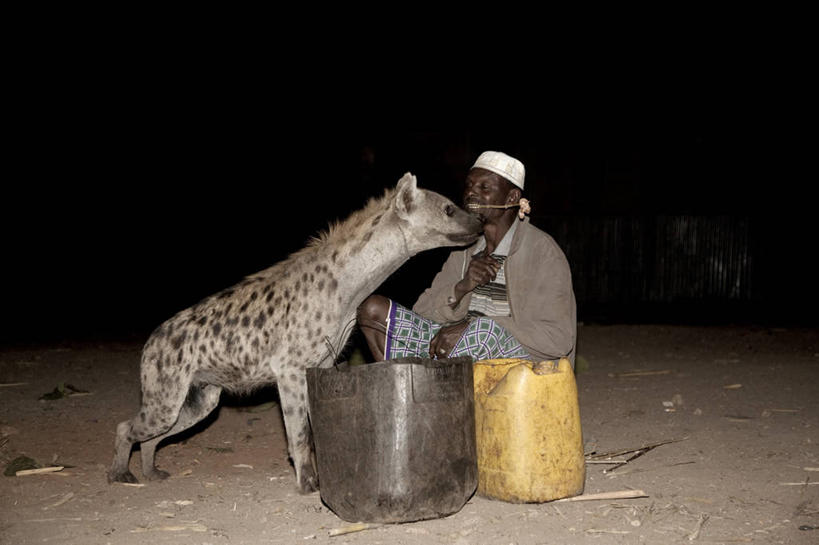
491,299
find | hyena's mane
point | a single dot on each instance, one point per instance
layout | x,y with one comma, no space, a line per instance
356,225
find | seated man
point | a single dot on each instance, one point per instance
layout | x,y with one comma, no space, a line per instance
509,295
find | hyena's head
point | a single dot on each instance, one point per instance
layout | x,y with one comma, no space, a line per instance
431,220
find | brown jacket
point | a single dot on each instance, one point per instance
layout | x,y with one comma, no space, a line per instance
539,285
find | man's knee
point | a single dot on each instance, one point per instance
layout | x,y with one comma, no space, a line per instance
373,309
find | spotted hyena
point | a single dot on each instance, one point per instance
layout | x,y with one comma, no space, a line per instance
276,323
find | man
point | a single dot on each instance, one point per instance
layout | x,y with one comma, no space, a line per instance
508,295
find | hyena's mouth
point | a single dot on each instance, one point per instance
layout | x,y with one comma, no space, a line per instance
465,239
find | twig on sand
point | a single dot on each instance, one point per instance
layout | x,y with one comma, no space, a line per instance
61,501
593,531
39,471
193,527
357,527
637,453
806,483
58,519
646,373
10,384
634,469
618,495
700,522
609,455
805,509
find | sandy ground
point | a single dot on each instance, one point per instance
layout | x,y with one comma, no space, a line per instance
744,401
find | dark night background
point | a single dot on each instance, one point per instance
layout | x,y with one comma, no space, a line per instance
151,165
118,226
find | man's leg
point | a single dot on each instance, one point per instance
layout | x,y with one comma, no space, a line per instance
485,339
372,319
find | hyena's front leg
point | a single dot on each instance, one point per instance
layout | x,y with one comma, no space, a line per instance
293,396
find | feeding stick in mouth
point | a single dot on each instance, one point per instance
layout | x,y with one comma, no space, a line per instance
525,207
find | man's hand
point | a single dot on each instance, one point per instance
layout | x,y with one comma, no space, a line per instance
444,341
482,270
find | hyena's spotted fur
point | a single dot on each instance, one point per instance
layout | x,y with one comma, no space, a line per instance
276,323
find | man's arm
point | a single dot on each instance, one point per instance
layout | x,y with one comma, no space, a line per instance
439,302
543,303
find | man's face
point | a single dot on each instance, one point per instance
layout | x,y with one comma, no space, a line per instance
485,187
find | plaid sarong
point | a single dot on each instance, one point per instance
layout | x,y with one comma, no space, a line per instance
409,334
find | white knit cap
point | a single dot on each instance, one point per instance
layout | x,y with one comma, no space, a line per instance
502,165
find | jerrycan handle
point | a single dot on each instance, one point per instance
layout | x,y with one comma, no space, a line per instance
525,373
513,381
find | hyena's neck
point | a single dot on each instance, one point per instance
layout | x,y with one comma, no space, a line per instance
368,262
365,257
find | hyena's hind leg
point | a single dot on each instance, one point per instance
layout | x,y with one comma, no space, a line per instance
160,416
293,397
201,400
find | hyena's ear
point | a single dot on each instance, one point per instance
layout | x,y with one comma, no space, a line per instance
406,195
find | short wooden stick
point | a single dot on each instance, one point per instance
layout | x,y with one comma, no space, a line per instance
619,495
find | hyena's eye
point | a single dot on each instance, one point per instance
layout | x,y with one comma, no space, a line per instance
449,210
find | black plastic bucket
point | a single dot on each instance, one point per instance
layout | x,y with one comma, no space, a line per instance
395,440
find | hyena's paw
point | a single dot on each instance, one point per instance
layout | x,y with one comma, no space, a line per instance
121,477
157,475
308,480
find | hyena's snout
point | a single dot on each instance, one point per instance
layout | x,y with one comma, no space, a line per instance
468,227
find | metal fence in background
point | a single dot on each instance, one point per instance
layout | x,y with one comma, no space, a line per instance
634,260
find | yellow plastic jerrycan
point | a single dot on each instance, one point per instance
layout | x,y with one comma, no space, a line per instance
528,436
